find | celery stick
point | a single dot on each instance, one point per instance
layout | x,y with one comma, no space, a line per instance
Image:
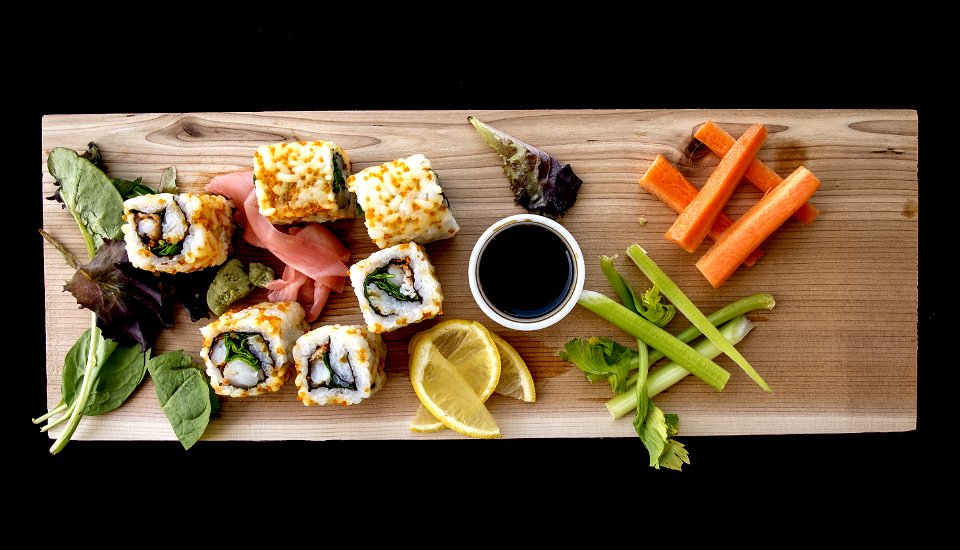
654,336
690,311
721,316
717,318
619,285
671,373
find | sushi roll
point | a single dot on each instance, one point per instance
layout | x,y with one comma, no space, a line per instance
248,352
396,286
303,182
339,365
402,201
177,233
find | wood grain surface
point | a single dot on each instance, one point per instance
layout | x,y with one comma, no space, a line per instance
839,349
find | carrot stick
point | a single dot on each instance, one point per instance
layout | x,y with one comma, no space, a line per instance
666,183
719,141
697,218
756,225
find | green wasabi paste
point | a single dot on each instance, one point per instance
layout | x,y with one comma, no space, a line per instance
260,274
229,285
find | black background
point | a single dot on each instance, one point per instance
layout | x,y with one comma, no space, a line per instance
490,56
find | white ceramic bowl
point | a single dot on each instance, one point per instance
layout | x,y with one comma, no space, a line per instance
559,312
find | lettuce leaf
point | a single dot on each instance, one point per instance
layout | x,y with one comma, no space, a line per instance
131,304
540,182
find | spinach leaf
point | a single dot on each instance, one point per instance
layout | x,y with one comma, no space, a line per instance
121,369
89,194
381,278
164,248
129,189
184,394
237,349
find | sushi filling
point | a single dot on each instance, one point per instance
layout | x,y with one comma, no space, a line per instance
243,357
340,190
162,231
388,287
325,373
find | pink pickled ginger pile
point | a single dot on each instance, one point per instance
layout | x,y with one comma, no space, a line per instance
314,259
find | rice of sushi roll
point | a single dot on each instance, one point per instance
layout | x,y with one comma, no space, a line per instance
248,352
170,233
303,182
396,286
402,201
339,365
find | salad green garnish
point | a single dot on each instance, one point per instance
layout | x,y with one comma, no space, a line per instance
164,248
236,344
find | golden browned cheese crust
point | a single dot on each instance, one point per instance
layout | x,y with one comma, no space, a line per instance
295,182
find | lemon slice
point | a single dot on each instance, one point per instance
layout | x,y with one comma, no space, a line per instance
515,378
451,366
515,381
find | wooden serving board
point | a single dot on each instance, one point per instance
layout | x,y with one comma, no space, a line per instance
839,349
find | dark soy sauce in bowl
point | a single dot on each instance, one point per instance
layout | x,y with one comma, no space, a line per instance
525,271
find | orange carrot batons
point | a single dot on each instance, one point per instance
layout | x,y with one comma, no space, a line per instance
697,218
666,183
756,225
760,175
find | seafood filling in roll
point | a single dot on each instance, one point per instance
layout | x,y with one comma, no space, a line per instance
339,364
396,286
244,359
388,287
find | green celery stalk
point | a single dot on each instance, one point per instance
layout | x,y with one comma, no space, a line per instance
689,310
618,284
717,318
654,336
671,373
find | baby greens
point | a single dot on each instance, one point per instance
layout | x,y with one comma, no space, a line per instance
98,376
185,395
99,373
88,194
540,182
121,370
130,303
236,344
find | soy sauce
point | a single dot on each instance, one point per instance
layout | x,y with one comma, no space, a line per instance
525,271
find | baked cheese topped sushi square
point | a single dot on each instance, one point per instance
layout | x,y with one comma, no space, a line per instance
402,202
303,182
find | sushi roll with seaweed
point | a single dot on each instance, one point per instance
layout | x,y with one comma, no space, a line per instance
402,201
248,352
396,286
303,182
170,233
339,365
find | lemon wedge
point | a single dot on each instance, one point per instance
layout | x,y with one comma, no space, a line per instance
515,378
452,365
515,381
